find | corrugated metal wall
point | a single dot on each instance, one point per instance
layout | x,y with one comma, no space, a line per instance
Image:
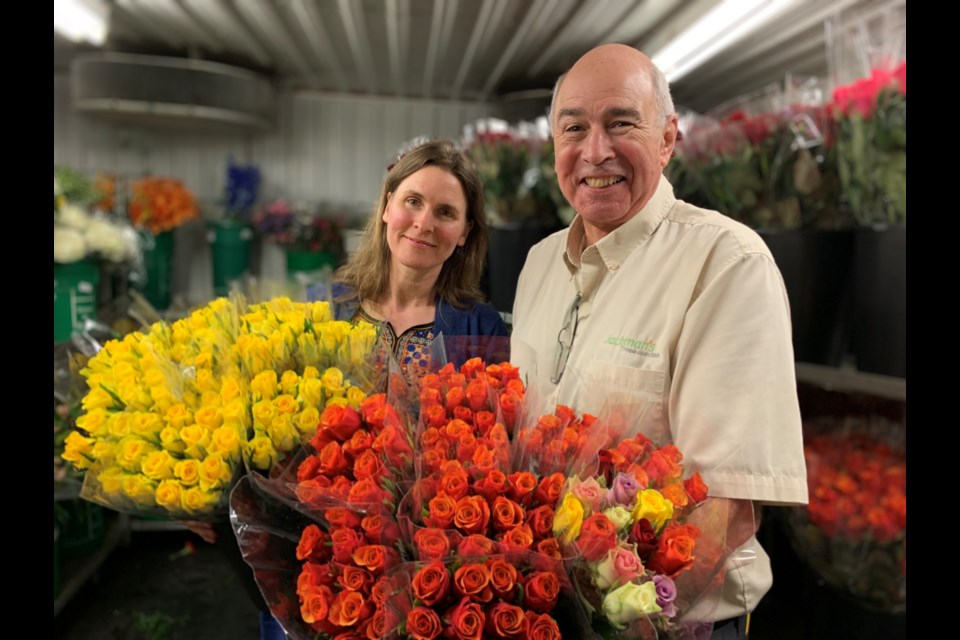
326,147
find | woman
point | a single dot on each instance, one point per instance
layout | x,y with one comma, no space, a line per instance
418,268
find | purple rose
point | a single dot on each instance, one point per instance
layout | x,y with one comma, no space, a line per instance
666,594
623,491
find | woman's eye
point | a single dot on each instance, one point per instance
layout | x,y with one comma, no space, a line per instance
412,202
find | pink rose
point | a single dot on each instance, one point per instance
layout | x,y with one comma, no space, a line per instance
618,567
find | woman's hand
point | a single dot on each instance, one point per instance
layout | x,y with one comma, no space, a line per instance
203,529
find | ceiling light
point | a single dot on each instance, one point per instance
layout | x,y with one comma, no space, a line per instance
79,20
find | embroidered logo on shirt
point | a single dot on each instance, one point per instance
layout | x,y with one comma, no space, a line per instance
646,348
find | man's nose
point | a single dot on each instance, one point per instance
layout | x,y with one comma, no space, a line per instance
597,146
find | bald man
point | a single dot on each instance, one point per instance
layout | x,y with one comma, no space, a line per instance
681,307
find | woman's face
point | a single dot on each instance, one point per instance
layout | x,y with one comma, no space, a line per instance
426,219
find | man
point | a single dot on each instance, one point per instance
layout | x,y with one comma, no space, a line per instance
679,306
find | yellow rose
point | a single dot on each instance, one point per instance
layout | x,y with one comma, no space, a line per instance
310,373
311,392
235,413
208,399
196,501
225,440
205,381
336,401
158,465
147,425
170,440
130,451
203,360
567,520
168,495
262,453
188,471
195,435
215,473
230,390
320,312
263,413
162,398
152,378
133,395
307,421
264,385
119,425
177,416
139,489
111,481
98,399
105,452
654,507
94,422
286,405
332,380
78,450
355,396
289,381
208,417
283,434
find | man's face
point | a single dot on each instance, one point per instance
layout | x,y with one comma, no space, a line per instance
610,151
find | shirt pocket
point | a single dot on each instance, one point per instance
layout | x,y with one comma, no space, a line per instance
630,400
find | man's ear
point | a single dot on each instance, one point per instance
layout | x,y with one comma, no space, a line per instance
669,140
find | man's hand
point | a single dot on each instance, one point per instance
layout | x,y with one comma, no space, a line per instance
203,529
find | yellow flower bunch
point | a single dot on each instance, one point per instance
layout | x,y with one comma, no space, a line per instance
286,411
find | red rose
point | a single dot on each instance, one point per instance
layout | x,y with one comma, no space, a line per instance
376,557
340,422
355,579
503,578
473,579
675,550
491,485
395,447
431,543
549,547
359,442
367,465
366,492
315,575
466,621
520,537
442,509
505,620
380,591
696,488
643,535
476,545
345,542
541,627
349,607
340,488
312,544
432,460
308,469
431,583
548,492
311,492
661,467
380,529
523,485
316,605
541,522
332,460
472,515
374,410
339,517
377,628
506,514
423,624
541,589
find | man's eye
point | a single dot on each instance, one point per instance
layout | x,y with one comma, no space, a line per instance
573,128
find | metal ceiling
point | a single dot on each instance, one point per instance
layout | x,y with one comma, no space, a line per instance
485,50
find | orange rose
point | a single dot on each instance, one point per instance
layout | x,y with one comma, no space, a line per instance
454,398
355,579
380,529
430,381
375,410
360,441
312,544
394,445
548,492
431,543
483,421
339,421
348,608
541,627
454,481
423,624
431,583
316,605
674,493
340,488
473,579
442,510
510,403
598,535
635,449
430,437
639,474
308,469
506,514
472,367
541,522
313,576
505,620
435,416
367,465
491,485
466,621
454,429
376,557
541,591
380,591
478,396
674,550
463,413
661,467
498,436
549,547
503,578
523,485
430,397
332,460
345,542
472,515
696,488
310,492
476,545
520,537
366,492
486,459
377,628
466,446
432,460
339,517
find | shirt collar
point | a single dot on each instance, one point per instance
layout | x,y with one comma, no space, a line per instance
617,245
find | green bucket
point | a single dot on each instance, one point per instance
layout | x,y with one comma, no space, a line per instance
230,247
308,261
75,288
82,528
158,262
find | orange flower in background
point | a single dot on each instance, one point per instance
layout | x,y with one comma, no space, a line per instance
161,204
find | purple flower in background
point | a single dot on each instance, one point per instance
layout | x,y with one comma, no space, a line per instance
666,594
623,491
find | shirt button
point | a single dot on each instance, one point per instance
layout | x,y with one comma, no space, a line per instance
614,266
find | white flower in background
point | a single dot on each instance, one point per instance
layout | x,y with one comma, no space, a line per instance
73,216
68,245
105,238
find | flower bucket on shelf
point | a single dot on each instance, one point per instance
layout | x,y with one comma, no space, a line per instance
82,529
230,247
880,276
308,261
75,287
158,263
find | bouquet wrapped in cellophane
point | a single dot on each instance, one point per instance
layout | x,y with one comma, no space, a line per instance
175,412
